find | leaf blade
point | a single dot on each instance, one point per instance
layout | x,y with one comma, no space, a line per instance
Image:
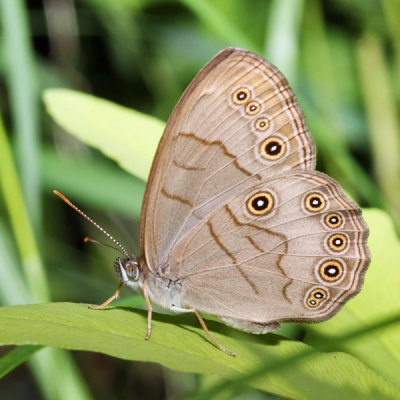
181,346
110,128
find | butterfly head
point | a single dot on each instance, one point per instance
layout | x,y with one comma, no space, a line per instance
128,270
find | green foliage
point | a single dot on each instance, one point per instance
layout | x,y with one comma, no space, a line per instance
179,343
343,60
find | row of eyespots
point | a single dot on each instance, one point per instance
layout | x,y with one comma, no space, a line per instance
316,202
272,148
243,97
331,270
328,271
262,203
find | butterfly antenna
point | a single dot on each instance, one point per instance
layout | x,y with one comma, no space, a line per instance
120,247
89,239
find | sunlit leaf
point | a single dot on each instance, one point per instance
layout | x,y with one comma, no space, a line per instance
124,135
179,343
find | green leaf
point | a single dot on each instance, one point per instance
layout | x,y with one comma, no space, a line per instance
379,298
15,357
126,136
21,82
179,343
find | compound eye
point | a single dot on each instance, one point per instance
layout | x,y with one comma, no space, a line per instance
131,268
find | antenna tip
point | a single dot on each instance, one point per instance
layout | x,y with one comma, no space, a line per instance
61,196
86,239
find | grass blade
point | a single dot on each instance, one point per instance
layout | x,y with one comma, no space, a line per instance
282,36
382,117
24,98
46,365
16,357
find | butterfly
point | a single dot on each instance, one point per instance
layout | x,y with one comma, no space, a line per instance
235,220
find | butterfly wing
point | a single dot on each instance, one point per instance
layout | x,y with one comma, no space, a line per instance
292,247
236,124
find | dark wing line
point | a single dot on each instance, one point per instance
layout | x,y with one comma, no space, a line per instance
177,198
261,229
193,211
221,145
236,222
280,235
188,167
228,189
232,257
254,244
284,290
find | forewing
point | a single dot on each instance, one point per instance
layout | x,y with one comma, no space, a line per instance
237,124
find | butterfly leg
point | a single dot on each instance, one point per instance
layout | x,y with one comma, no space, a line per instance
149,310
108,301
204,326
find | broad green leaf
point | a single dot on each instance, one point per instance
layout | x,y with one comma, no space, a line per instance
126,136
379,298
179,343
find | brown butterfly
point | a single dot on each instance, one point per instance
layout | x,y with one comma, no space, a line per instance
236,222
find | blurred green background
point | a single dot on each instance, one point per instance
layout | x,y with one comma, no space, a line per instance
342,57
